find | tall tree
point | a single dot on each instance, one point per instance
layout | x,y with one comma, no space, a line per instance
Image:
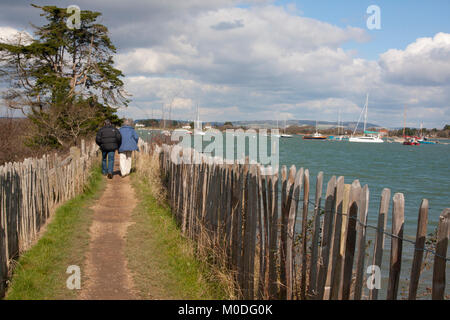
63,78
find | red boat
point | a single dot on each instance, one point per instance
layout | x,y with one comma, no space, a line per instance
411,141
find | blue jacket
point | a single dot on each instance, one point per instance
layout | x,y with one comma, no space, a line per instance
129,139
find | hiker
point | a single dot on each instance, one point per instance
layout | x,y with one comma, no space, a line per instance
109,140
129,144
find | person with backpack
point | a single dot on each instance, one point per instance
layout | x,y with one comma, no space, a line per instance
129,144
109,140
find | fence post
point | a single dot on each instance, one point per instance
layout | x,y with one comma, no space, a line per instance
304,234
326,239
398,219
265,182
262,227
336,261
363,212
273,227
3,261
283,223
315,237
252,217
418,249
379,239
350,240
293,209
438,289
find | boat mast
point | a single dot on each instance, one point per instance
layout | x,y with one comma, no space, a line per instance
197,125
365,115
360,115
339,120
404,120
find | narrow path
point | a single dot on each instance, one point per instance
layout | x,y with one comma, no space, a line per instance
106,275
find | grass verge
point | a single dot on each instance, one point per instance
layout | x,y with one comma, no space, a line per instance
41,271
161,260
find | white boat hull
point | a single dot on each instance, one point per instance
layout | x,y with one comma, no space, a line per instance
366,139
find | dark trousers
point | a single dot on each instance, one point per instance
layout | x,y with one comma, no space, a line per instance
107,162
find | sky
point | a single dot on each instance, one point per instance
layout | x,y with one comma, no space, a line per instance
268,60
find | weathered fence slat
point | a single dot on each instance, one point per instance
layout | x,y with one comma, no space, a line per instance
379,239
304,248
29,193
336,258
283,235
273,236
418,249
262,228
326,239
443,232
248,213
296,180
361,241
313,266
350,241
398,219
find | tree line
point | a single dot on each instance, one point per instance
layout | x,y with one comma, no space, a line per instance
62,79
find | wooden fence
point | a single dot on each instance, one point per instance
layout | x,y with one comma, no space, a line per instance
29,192
235,210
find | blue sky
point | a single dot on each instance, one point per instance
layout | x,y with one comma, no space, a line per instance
402,21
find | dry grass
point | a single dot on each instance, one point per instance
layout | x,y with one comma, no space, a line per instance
200,272
148,168
40,273
13,135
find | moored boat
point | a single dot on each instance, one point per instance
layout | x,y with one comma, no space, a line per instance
338,138
315,136
411,141
427,142
368,136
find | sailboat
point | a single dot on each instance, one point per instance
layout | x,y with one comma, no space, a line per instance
198,130
408,141
274,135
339,136
368,136
423,139
284,134
315,136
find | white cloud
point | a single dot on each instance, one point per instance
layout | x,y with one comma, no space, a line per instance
9,34
264,61
424,62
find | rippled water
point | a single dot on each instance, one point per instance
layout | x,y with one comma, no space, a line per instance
416,171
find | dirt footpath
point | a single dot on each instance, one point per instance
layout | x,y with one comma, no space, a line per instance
106,275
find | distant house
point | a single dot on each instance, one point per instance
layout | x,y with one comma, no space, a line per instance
139,125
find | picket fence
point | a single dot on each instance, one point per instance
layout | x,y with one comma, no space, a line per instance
234,209
29,193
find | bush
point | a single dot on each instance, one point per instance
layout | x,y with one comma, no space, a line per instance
13,137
